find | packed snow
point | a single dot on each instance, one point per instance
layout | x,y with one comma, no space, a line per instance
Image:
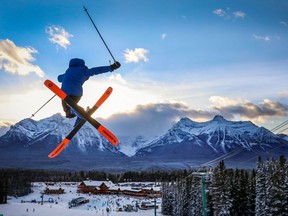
98,205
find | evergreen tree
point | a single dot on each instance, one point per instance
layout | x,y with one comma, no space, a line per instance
285,188
270,166
275,188
235,192
220,189
178,200
196,197
260,188
243,193
167,198
187,194
3,190
251,194
283,184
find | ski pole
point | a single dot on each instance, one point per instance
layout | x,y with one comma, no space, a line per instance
42,106
85,9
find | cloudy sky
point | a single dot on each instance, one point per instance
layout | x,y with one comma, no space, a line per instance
184,58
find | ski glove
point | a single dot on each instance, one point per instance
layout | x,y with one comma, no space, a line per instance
115,66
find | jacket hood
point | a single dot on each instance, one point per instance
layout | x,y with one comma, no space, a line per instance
76,62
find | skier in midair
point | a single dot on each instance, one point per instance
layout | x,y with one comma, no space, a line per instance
74,78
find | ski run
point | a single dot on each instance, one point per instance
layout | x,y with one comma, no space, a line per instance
219,191
98,205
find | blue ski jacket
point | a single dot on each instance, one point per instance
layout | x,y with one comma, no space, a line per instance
77,73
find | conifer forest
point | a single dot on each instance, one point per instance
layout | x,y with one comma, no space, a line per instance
218,191
222,191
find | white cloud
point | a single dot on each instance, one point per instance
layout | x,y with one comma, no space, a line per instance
163,116
239,14
118,78
283,95
218,101
164,36
17,60
264,38
30,101
136,55
227,13
248,110
6,124
284,23
59,36
219,12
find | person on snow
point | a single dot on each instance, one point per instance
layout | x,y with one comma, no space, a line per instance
74,78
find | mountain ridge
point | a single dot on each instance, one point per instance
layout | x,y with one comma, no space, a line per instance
186,144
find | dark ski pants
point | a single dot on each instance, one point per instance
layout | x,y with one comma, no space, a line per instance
66,107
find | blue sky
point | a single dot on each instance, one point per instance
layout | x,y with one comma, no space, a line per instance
179,58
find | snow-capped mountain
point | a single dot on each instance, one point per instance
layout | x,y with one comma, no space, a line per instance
51,131
3,130
185,145
283,136
130,145
4,127
31,141
204,141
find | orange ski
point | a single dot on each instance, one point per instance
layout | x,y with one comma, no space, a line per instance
66,141
86,116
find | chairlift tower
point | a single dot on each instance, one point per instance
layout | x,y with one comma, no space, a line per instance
202,176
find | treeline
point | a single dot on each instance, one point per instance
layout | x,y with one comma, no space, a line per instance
263,191
17,182
260,192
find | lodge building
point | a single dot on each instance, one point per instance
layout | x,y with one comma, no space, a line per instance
53,190
108,187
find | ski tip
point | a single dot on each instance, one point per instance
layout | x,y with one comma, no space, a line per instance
52,155
114,141
47,82
59,148
109,89
54,88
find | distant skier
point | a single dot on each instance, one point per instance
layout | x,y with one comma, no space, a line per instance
75,76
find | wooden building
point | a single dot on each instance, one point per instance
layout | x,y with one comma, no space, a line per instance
95,187
107,187
53,190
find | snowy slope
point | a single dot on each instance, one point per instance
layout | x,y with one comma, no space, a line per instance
97,204
130,145
204,141
283,136
4,127
219,134
28,133
187,143
28,143
3,130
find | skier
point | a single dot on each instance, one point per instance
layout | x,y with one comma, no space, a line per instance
75,76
